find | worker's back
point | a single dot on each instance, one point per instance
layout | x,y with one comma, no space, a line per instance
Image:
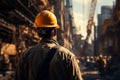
63,65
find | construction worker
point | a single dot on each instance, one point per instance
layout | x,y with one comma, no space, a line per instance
36,65
101,64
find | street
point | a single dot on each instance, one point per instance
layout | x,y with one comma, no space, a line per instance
91,75
87,75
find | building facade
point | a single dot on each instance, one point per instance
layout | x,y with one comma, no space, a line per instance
106,13
110,33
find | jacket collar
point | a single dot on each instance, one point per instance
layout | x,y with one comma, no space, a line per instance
50,41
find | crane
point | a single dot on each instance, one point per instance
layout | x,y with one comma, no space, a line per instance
89,25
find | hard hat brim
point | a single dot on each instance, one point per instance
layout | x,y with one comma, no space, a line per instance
48,26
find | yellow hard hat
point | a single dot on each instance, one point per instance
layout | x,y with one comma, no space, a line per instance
46,19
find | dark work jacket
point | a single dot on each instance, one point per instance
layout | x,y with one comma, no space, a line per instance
63,65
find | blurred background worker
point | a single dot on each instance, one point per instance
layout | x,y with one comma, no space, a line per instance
101,65
37,63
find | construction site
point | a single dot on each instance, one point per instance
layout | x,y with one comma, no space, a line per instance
17,34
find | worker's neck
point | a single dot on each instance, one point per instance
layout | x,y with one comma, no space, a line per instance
53,38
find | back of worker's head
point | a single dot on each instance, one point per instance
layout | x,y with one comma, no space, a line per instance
46,33
46,24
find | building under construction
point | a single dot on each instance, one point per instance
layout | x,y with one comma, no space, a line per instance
17,32
17,17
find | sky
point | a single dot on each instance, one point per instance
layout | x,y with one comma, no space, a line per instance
81,12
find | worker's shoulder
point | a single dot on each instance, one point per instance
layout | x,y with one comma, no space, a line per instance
31,50
65,51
